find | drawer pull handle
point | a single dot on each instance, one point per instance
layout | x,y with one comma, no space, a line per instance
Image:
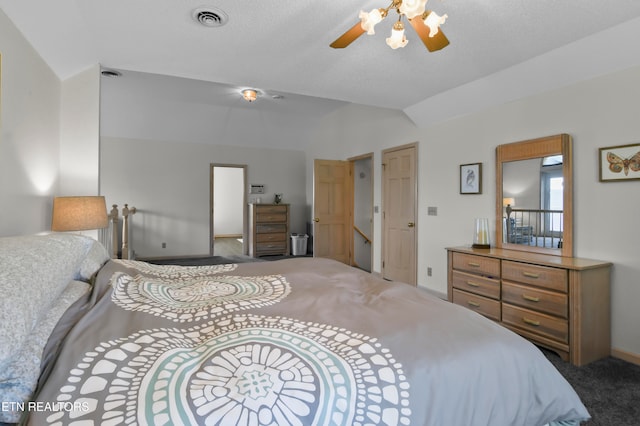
474,264
472,284
530,298
531,275
474,304
531,322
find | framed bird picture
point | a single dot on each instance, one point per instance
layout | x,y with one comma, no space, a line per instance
471,178
620,163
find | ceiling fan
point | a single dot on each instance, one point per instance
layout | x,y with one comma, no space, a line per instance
425,23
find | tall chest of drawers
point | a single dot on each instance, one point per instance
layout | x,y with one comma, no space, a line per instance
560,303
268,229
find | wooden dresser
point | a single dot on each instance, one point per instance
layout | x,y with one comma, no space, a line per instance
561,303
268,229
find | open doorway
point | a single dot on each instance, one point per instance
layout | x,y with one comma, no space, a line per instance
228,209
362,211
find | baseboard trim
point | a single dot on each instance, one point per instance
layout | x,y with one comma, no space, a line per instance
435,293
626,356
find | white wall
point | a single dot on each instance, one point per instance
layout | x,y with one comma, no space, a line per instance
599,112
355,130
80,134
29,135
228,200
168,182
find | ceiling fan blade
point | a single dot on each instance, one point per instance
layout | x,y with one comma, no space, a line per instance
437,42
347,38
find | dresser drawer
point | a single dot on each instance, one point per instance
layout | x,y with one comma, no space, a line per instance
476,284
270,209
535,322
272,247
487,307
267,228
540,276
477,264
536,299
271,217
271,237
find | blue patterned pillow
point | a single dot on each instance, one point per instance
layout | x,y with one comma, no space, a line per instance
34,271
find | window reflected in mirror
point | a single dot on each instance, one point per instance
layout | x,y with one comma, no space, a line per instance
533,202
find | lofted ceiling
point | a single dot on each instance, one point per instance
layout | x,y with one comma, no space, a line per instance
282,47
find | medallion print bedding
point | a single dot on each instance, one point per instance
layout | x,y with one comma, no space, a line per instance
301,342
238,370
185,294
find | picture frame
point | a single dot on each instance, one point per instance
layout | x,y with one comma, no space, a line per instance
618,163
471,178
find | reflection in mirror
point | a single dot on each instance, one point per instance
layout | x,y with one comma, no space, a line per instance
532,194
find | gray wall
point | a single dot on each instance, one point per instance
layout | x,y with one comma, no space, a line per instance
29,135
169,183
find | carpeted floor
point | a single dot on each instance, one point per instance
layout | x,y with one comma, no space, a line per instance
609,388
214,260
210,260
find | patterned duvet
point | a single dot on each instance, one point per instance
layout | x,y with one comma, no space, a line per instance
293,342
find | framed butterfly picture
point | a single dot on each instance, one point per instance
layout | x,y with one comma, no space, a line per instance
620,163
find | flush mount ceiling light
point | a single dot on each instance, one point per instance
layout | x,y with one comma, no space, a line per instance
249,95
425,23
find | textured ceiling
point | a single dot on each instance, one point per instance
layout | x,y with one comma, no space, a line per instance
282,47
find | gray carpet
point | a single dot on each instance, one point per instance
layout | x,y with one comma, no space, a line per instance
200,261
214,260
609,388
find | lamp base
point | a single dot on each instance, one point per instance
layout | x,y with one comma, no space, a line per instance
481,246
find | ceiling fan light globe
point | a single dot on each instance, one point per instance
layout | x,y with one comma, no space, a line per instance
397,39
412,8
433,21
369,20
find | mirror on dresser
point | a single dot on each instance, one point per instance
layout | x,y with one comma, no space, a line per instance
534,195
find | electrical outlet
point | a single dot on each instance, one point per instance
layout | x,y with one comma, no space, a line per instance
164,245
429,271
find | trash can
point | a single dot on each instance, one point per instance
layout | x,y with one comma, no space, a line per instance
299,244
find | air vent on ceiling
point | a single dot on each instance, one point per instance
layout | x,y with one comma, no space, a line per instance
210,17
111,73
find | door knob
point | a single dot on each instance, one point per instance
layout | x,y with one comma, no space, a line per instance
316,219
411,224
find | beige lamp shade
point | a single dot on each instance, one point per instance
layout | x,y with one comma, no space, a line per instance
79,213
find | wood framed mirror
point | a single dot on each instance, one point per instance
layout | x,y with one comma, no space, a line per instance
534,195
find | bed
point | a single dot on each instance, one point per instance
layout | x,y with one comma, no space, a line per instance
299,341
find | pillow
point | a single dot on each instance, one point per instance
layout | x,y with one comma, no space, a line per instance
93,261
34,270
19,379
